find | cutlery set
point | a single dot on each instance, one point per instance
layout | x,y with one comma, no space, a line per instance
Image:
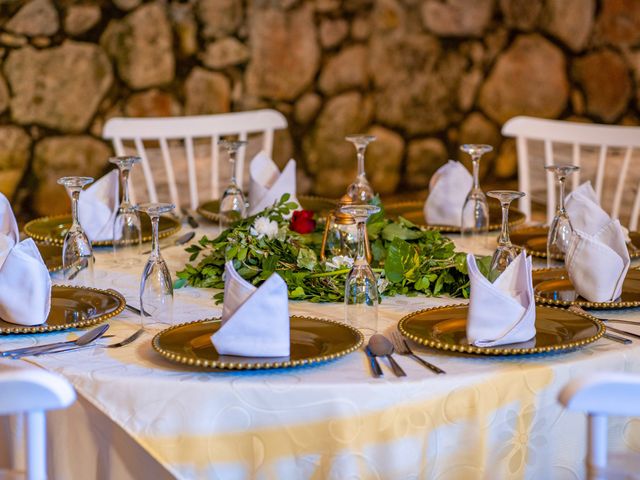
381,346
621,336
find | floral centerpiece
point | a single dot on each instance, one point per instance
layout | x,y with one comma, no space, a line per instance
408,259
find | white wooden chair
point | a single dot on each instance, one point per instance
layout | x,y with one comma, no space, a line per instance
32,392
603,142
186,130
600,396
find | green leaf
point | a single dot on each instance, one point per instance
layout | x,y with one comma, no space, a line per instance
397,230
306,258
400,259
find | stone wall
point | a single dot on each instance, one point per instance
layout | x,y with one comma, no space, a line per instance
422,75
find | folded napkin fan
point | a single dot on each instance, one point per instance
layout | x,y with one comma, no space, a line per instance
25,285
98,206
267,184
448,189
597,259
255,320
504,311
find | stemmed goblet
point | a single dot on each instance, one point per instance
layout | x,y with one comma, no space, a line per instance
475,210
127,231
156,286
360,190
560,230
77,253
506,251
233,205
361,289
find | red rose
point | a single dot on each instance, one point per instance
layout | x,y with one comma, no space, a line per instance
302,221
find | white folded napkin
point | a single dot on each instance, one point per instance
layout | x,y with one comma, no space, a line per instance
25,284
98,206
255,321
448,189
504,311
584,210
267,184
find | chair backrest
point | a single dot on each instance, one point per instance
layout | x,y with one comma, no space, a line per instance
186,130
32,392
600,140
600,396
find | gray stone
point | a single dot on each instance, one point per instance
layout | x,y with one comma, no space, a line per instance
521,14
604,78
272,74
15,146
330,159
424,157
528,79
207,93
219,18
142,46
45,93
307,107
346,70
457,18
56,157
469,85
152,103
384,160
225,52
618,23
80,18
37,17
570,21
333,32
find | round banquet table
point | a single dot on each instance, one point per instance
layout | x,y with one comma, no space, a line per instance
139,416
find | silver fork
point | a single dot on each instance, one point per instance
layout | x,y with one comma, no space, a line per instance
402,348
130,339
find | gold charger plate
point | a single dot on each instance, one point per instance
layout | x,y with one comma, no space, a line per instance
534,240
414,212
321,206
553,286
52,256
313,340
557,329
73,307
53,229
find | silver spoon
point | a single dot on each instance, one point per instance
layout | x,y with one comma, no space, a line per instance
181,240
381,346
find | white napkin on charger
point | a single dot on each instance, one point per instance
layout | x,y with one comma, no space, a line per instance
268,184
98,206
448,189
255,320
597,259
25,284
502,312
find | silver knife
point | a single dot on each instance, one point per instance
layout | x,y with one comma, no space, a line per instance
373,362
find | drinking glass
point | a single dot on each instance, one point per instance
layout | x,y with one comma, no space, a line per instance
233,205
156,287
506,252
560,230
475,211
361,289
77,254
127,232
360,190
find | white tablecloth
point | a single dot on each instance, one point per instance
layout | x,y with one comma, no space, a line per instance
140,416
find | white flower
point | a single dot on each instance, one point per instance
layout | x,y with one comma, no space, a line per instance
339,261
263,227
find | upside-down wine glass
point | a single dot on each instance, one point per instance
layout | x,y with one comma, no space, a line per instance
77,253
233,205
506,251
156,286
475,210
127,231
361,288
360,190
560,229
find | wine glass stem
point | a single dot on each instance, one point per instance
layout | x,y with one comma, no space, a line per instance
561,194
75,197
504,239
475,161
360,155
232,159
155,243
124,176
361,258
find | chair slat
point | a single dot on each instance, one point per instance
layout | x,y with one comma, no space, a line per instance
240,159
215,167
148,175
168,166
191,171
524,177
267,142
575,160
602,160
633,223
617,199
551,181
